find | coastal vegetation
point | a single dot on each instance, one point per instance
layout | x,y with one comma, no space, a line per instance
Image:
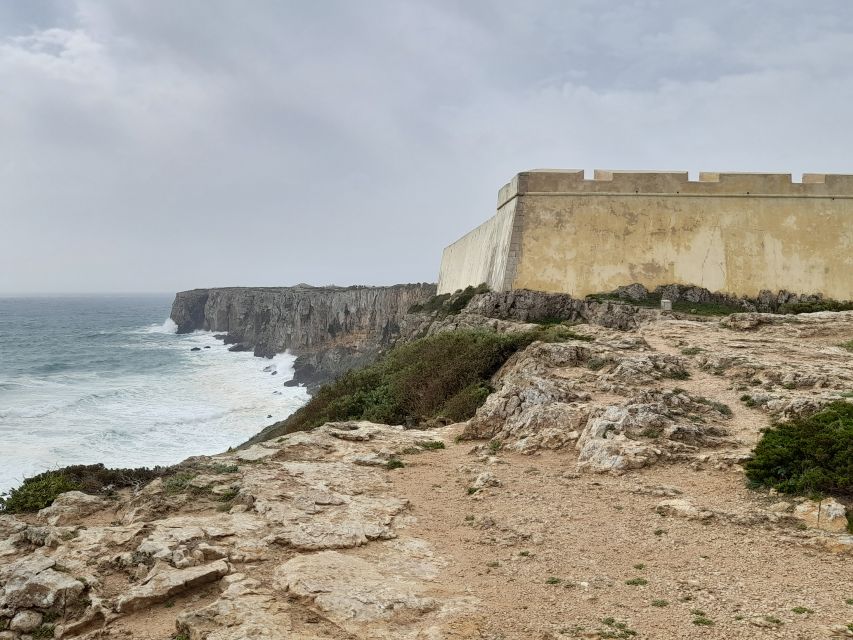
817,305
809,455
449,304
440,377
41,490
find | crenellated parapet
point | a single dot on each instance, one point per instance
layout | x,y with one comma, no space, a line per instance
736,233
675,183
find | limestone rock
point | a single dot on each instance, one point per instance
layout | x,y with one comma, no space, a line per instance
354,592
828,514
243,611
26,621
307,321
31,582
615,454
752,320
780,507
166,584
255,453
486,479
70,507
531,306
682,508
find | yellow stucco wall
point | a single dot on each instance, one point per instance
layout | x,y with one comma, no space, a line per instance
736,233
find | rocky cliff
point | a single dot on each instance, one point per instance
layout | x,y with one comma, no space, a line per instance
598,493
330,329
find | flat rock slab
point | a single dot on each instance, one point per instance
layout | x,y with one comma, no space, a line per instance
255,453
350,589
163,586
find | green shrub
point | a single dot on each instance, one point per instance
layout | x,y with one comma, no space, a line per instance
41,490
448,304
818,305
465,403
44,631
847,345
443,375
224,468
179,482
38,492
596,363
705,308
723,408
807,455
433,304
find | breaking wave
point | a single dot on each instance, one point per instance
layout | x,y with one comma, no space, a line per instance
142,396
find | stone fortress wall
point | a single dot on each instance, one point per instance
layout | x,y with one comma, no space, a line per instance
737,233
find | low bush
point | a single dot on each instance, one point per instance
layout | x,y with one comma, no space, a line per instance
38,492
807,455
41,490
818,305
448,304
445,375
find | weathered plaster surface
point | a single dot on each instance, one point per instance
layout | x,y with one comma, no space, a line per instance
738,233
481,255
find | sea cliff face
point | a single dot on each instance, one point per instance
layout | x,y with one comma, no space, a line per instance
330,329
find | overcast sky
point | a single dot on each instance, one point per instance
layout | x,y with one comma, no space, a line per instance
159,145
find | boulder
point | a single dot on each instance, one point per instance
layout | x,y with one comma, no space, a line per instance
70,507
486,479
681,508
32,583
828,515
26,621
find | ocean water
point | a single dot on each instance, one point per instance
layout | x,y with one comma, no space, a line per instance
107,379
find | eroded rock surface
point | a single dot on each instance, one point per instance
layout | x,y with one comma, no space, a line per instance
606,471
263,545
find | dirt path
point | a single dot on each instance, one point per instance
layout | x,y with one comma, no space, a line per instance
549,553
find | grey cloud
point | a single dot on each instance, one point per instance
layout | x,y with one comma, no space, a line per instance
161,145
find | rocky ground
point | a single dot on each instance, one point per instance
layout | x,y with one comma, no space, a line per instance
597,494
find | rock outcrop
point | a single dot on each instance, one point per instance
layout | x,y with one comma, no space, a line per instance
305,536
604,477
330,329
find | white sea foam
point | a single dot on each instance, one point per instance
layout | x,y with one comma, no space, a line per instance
168,326
200,402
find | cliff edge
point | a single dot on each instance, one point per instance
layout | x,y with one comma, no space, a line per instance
330,329
598,492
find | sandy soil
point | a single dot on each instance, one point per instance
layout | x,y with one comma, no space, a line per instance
549,553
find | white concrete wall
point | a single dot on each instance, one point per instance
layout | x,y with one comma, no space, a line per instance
481,255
